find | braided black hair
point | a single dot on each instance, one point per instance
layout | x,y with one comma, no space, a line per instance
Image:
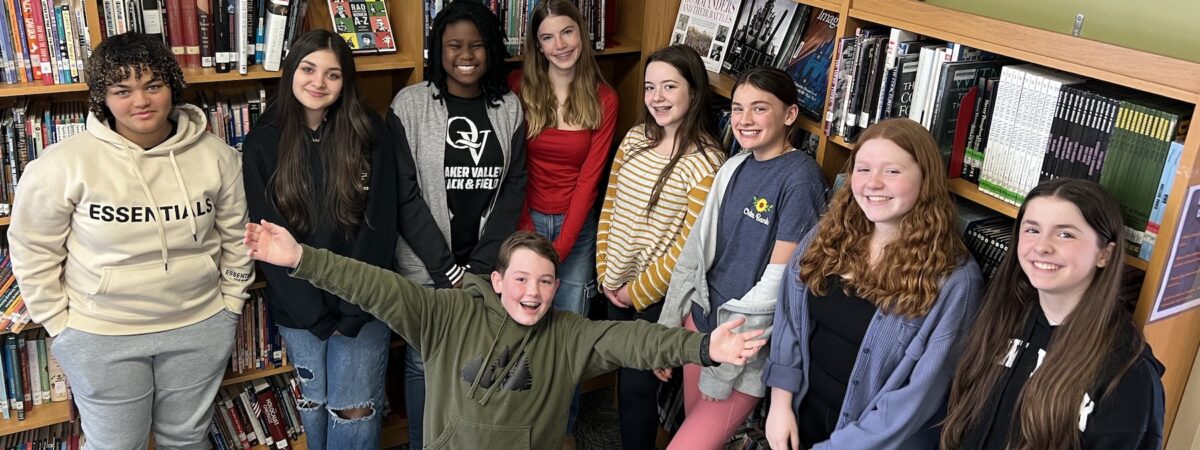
118,57
494,82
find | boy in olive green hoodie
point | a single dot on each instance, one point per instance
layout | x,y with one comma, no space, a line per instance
500,372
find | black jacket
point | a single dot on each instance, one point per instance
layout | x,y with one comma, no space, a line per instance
297,304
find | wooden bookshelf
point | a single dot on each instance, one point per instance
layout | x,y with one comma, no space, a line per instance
232,378
41,415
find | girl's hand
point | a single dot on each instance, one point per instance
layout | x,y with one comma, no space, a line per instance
623,296
611,295
272,244
781,430
663,375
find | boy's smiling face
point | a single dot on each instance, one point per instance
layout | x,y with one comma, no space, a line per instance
526,287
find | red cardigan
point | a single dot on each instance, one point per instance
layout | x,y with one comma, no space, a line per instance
564,169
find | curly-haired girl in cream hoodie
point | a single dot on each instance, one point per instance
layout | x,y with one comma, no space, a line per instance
126,242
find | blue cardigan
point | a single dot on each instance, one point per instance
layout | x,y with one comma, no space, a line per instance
901,378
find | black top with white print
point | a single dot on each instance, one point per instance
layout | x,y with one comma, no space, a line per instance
474,164
1130,418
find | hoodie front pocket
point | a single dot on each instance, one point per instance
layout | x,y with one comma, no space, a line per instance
154,290
462,434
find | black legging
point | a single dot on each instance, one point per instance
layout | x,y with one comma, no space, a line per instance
637,391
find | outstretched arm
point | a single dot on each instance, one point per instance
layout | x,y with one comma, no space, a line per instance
415,312
642,345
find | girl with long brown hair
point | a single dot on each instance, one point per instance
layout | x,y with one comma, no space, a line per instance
657,186
570,114
872,305
323,165
1057,361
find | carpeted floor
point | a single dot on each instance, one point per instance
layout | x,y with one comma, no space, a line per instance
596,427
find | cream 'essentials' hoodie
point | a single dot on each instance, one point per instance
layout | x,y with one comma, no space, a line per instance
112,239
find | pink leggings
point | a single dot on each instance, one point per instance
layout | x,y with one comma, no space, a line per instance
708,424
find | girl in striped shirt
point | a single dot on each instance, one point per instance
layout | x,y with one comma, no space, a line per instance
657,186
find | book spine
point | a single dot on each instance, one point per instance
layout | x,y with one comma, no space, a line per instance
68,28
33,369
191,33
271,414
36,51
23,374
276,27
205,30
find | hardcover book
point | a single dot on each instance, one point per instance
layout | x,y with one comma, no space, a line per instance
706,26
809,68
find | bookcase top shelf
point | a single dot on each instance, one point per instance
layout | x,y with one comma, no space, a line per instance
832,5
41,415
1160,75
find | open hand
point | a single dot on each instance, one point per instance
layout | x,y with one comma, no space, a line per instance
727,346
272,244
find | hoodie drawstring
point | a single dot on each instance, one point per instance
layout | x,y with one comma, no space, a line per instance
186,197
497,381
137,171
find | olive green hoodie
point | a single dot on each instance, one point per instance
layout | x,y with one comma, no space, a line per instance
458,331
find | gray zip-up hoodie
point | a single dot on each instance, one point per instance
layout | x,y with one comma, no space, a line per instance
424,121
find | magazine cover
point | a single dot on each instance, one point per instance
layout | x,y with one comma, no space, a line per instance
810,67
705,25
761,35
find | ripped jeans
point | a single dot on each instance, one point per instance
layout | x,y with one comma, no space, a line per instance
338,374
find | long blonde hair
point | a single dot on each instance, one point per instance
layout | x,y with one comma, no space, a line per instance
907,278
582,107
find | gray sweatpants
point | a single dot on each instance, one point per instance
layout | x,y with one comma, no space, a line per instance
129,386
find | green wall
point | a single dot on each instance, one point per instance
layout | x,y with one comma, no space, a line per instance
1165,27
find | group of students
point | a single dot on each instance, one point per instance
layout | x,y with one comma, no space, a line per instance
463,215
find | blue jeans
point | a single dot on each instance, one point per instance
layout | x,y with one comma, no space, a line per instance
576,276
336,374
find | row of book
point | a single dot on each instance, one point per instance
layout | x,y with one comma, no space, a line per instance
261,412
26,129
43,41
14,316
257,344
60,436
732,37
1008,126
1046,124
232,114
32,376
222,34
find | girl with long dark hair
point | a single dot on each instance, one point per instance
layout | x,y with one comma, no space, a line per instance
324,165
1056,360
